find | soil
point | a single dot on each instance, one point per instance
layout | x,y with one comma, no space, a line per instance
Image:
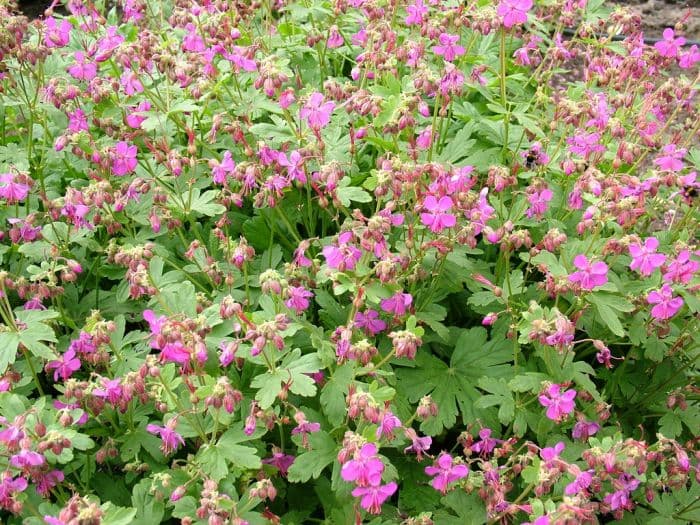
657,15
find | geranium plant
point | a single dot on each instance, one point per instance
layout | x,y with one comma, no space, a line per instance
301,261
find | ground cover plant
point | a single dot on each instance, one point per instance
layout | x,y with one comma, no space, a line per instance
361,261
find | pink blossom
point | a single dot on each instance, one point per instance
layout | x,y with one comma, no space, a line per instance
415,13
486,444
425,138
681,269
670,45
298,299
589,275
280,461
175,352
365,468
77,121
387,425
671,160
644,256
666,304
11,190
419,445
688,59
370,322
398,304
65,366
26,459
220,170
124,158
584,429
559,404
438,219
445,472
316,112
582,482
335,39
192,41
56,35
82,69
294,165
374,496
538,202
448,48
585,144
171,440
513,12
107,44
342,257
135,117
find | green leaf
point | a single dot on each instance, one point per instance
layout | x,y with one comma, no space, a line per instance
334,392
212,460
294,372
310,464
241,457
500,395
670,425
453,386
114,515
149,510
349,194
9,341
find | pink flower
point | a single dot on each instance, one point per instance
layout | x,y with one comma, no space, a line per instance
135,118
123,158
425,138
538,202
298,299
335,39
175,352
57,35
513,12
670,45
11,190
374,496
445,472
387,425
397,304
65,366
220,170
342,257
671,159
171,440
448,48
26,459
280,461
82,69
365,468
438,219
584,429
415,13
418,445
192,41
130,83
644,257
559,404
690,58
589,275
581,483
370,322
666,305
681,269
294,165
316,112
77,121
585,144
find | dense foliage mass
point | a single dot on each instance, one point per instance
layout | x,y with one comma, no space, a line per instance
351,261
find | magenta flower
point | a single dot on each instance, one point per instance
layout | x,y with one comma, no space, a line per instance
589,275
298,299
280,461
192,41
419,445
559,404
220,170
370,322
130,83
123,158
365,468
316,112
175,352
581,483
374,496
56,35
387,425
445,472
171,440
438,219
11,190
26,459
135,117
666,305
513,12
538,202
671,160
644,257
335,39
448,48
670,45
681,269
486,444
65,366
415,13
294,165
342,257
690,58
584,429
585,144
82,69
425,138
77,121
397,304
